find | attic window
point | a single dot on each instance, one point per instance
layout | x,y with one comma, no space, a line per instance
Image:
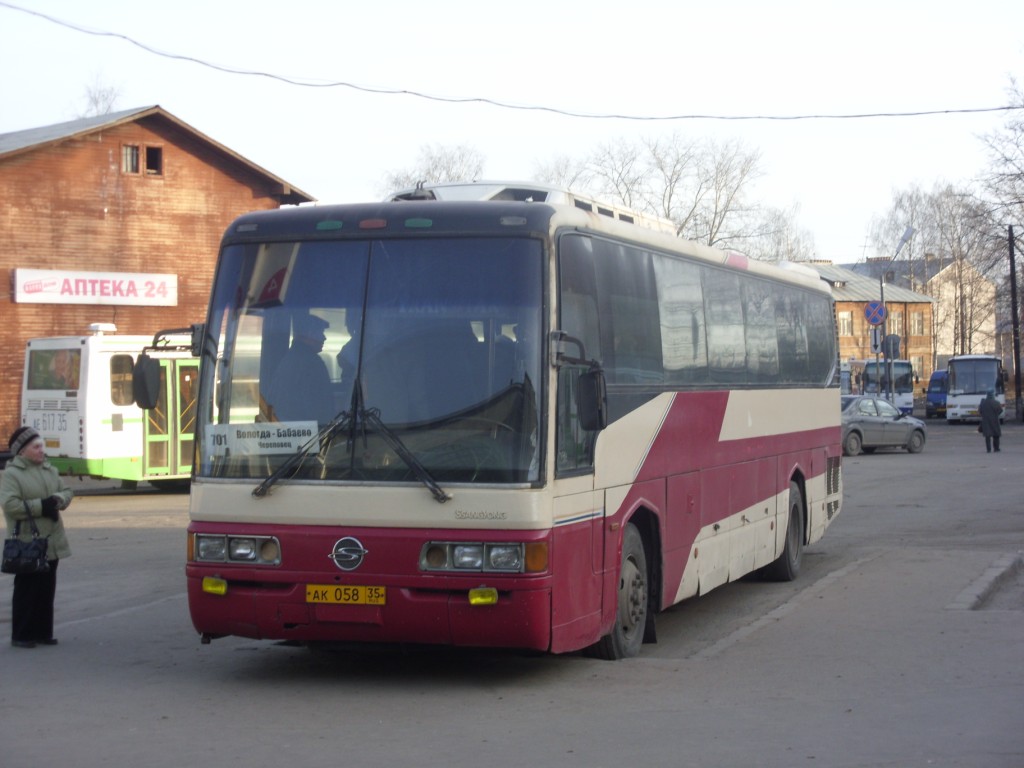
129,159
133,156
154,161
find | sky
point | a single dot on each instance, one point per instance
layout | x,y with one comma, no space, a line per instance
645,58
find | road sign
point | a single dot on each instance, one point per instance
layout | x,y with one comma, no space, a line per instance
876,340
875,312
891,347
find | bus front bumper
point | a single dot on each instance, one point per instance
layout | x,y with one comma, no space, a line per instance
518,618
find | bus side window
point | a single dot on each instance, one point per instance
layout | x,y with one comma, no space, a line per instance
578,318
121,379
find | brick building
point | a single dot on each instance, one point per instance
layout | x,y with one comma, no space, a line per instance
114,219
909,317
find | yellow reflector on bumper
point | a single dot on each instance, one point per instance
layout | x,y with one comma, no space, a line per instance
483,596
214,586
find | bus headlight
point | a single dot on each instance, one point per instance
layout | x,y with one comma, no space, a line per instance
211,548
485,557
218,548
468,556
242,549
505,557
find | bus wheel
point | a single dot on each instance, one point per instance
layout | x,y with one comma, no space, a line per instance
627,635
787,566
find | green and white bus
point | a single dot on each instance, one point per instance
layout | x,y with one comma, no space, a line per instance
77,393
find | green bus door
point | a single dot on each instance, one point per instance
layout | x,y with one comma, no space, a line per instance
169,432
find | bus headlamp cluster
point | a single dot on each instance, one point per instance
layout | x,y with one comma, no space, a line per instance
218,548
484,557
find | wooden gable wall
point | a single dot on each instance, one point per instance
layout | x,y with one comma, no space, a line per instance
70,206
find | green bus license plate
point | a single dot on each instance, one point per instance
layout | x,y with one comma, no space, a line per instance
339,595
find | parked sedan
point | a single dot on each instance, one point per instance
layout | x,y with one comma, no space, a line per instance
870,422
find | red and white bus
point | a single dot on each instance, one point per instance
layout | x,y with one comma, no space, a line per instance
544,426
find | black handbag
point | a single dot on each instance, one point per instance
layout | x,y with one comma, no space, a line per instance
25,556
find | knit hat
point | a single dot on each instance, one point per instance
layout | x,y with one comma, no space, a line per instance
310,326
21,437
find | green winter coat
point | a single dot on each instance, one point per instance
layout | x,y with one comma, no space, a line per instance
24,481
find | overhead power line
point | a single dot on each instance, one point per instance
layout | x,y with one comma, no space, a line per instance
311,83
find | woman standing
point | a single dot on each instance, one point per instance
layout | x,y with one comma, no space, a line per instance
31,487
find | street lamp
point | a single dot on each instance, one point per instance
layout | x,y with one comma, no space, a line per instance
907,234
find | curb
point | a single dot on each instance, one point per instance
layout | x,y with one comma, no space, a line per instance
1002,570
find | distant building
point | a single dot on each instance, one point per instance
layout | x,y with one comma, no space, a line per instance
114,219
964,316
909,316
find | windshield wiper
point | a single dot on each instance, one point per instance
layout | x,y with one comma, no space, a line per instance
371,417
340,422
365,417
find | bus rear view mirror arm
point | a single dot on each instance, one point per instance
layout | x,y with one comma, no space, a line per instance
560,357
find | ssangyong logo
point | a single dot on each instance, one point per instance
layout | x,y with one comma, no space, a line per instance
348,553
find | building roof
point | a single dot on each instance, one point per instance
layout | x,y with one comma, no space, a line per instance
847,285
905,273
33,139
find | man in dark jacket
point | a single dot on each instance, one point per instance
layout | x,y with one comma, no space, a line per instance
989,410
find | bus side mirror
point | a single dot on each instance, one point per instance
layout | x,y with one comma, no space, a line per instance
198,329
593,400
146,382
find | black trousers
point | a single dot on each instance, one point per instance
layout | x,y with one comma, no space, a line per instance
991,442
32,606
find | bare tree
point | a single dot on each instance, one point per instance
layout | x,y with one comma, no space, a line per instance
436,164
1004,179
700,185
673,164
920,259
619,171
965,237
100,99
779,238
952,257
731,168
911,207
1004,183
564,172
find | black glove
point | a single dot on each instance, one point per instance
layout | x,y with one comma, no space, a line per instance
51,508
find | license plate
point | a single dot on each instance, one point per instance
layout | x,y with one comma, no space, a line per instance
345,595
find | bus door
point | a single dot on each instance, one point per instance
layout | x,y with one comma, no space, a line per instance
169,433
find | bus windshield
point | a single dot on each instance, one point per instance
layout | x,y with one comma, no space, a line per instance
974,376
54,368
902,377
423,353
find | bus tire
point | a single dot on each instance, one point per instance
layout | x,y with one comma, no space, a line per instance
627,634
787,566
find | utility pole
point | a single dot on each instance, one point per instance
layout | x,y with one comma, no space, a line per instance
1019,406
907,234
